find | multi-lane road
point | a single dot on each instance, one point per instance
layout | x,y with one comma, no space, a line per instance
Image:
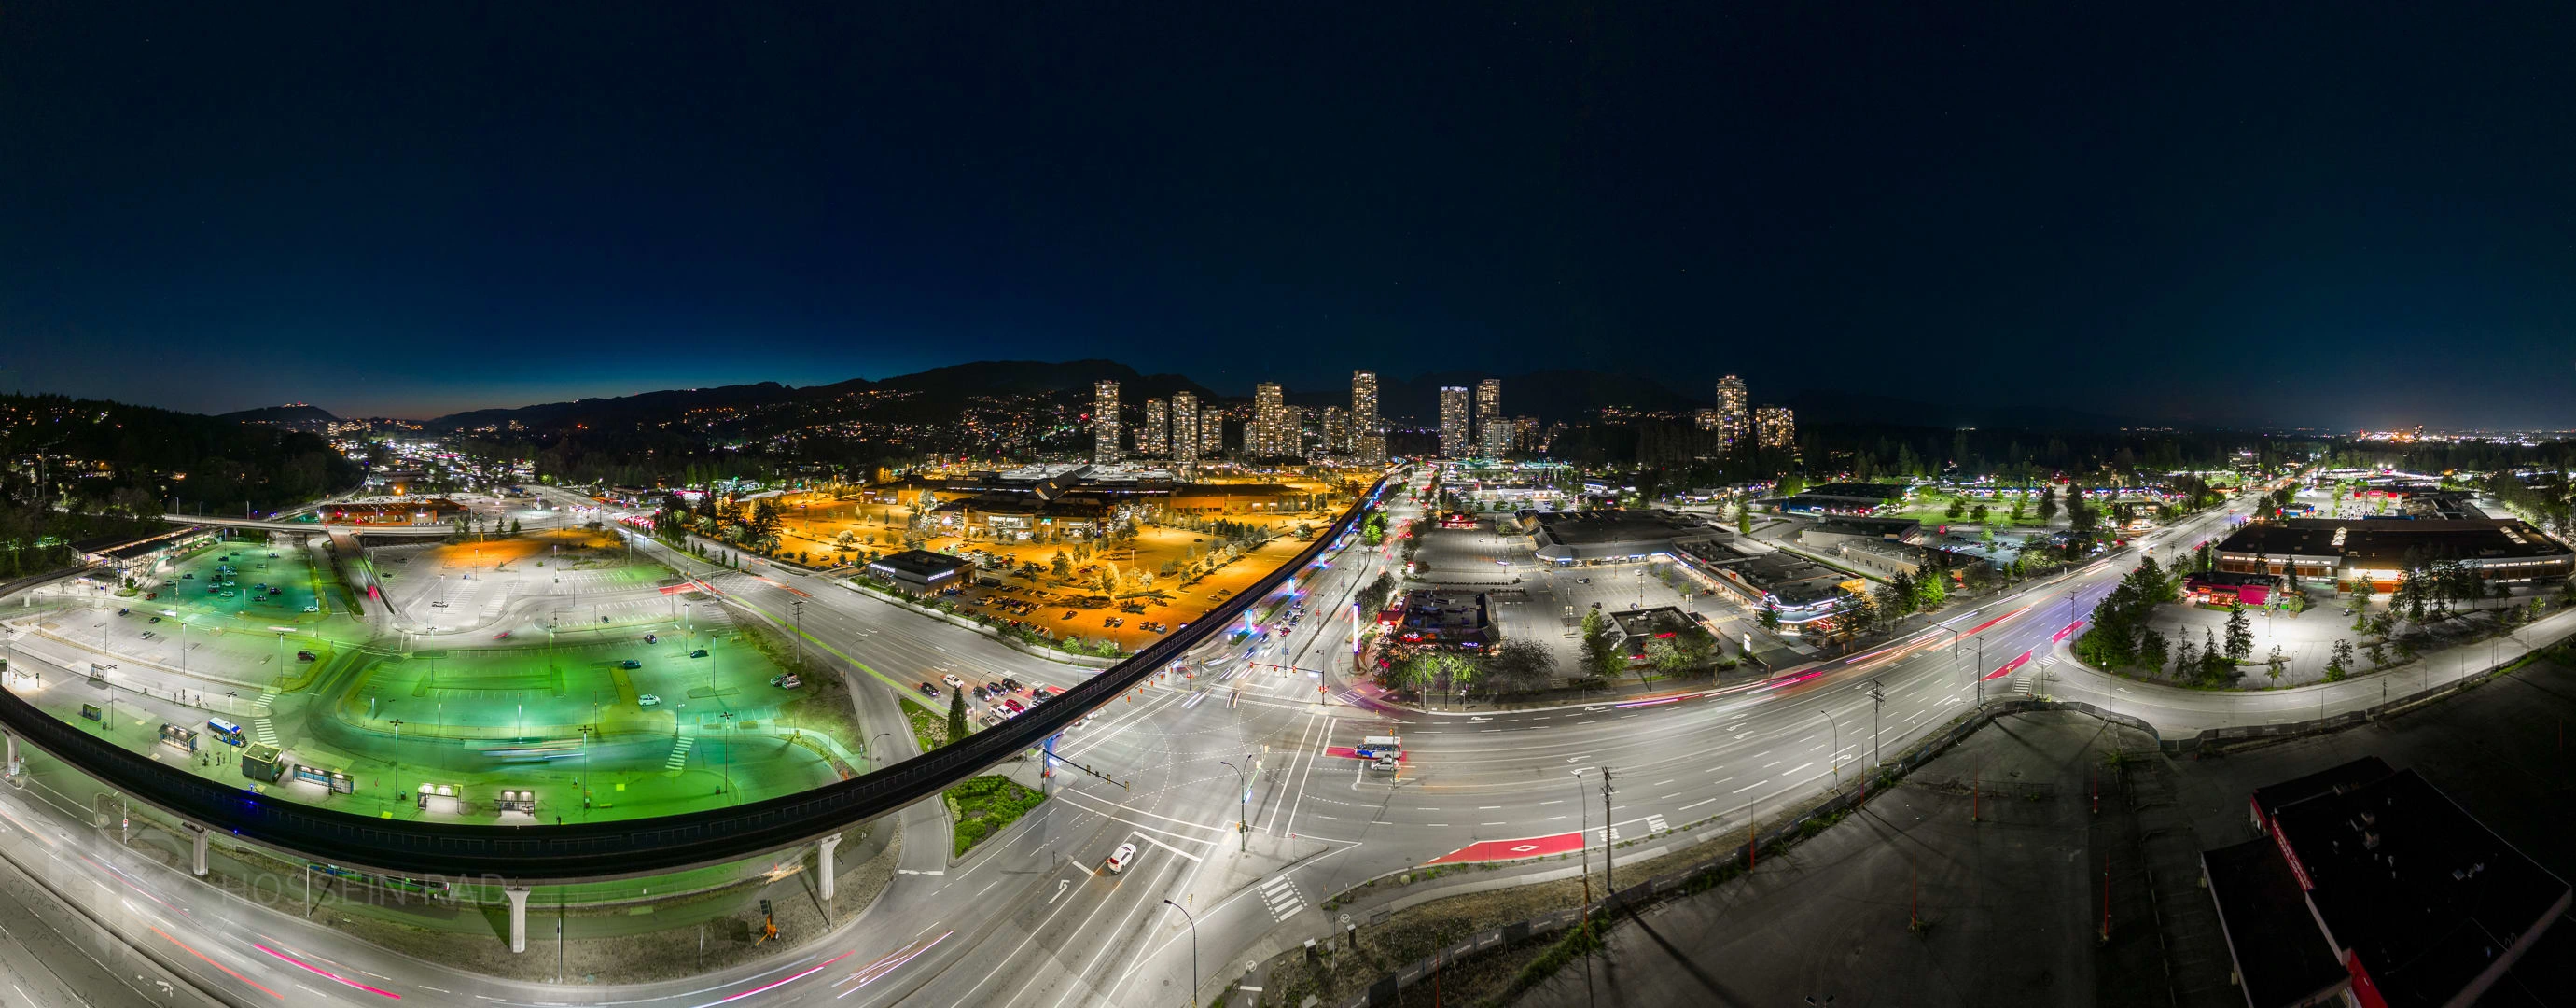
1259,735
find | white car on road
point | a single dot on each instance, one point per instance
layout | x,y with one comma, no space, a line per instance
1119,860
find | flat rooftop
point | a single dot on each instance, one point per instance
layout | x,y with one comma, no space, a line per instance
2385,541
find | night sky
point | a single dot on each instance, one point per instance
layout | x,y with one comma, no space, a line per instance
2338,214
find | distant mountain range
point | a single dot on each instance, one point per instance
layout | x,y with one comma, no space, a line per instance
1564,394
297,415
931,394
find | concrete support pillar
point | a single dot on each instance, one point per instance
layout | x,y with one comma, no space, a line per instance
13,753
823,863
518,917
198,834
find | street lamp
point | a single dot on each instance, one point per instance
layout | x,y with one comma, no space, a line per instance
1194,948
1243,806
397,723
1835,757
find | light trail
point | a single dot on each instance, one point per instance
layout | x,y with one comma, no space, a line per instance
327,974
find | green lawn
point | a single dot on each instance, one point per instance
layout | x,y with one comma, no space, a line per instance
985,806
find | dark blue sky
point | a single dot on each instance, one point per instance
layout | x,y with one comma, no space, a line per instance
2342,214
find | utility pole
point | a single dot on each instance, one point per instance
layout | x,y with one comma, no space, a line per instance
799,607
1877,699
1608,886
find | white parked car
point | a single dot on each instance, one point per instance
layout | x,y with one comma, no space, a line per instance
953,682
648,700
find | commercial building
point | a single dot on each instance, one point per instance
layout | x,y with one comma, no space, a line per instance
1836,532
1570,537
1460,619
1775,427
1154,440
1368,438
1185,429
1734,421
1493,429
921,569
2379,550
2369,887
1456,440
1631,630
1798,590
2229,587
1842,499
1104,422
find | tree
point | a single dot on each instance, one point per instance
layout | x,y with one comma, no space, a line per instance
2047,505
1061,565
1744,516
2276,664
1374,596
2339,662
1978,514
1666,657
1958,506
2153,651
1600,654
1519,664
764,518
2240,633
1769,619
956,716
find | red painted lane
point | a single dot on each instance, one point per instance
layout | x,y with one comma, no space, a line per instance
2000,619
2061,634
1508,850
2009,666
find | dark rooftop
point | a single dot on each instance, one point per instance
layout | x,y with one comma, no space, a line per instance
2280,956
2271,797
2421,891
919,563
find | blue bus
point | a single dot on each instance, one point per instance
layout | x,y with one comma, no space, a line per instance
229,732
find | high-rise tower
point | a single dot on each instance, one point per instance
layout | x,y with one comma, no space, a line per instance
1493,429
1454,439
1185,429
1734,420
1368,439
1104,422
1155,438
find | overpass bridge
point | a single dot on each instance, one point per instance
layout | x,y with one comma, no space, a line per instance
530,855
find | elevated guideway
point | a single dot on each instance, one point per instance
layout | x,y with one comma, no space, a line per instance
535,854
